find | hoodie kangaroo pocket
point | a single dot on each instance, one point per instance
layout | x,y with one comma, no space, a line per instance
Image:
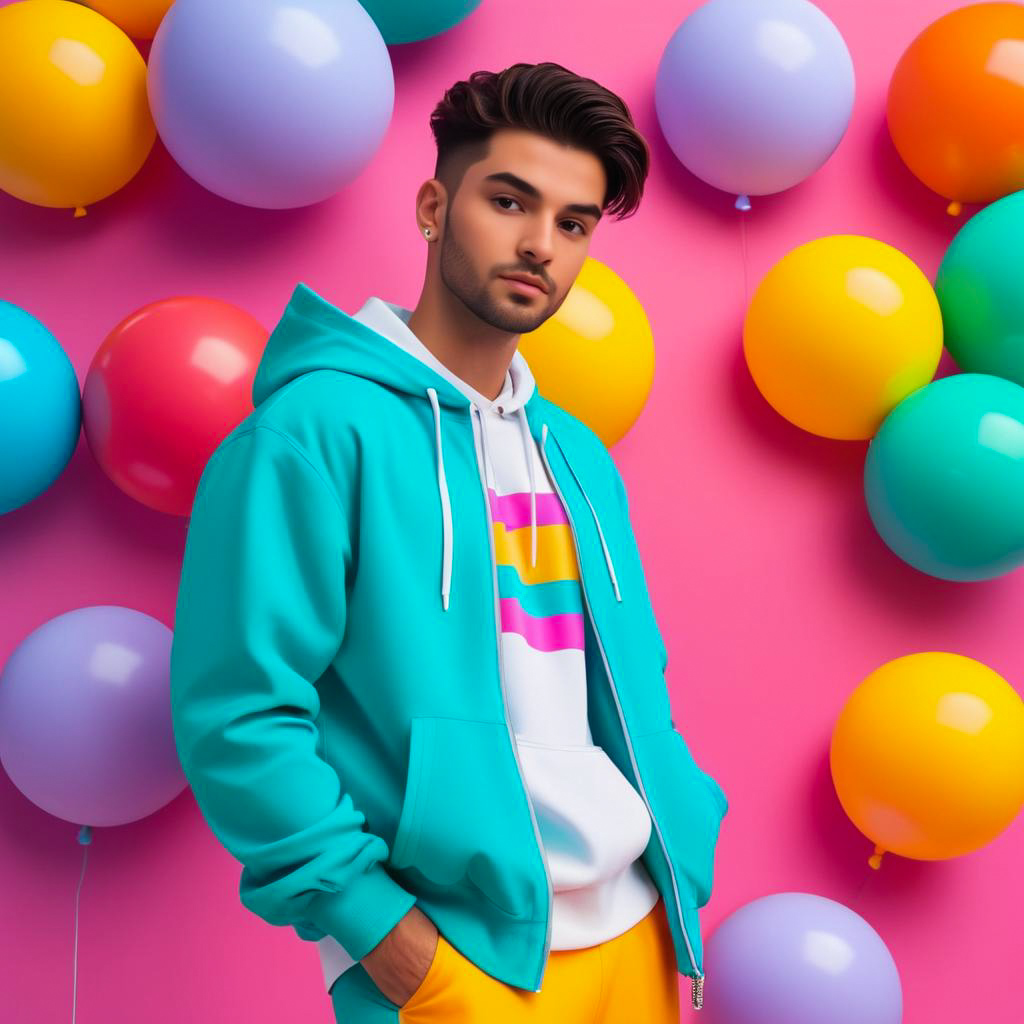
688,806
465,821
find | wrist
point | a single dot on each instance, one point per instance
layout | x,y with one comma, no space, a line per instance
390,946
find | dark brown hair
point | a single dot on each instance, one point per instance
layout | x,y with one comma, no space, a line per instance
552,101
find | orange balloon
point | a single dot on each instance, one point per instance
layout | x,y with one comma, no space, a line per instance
955,107
138,18
927,756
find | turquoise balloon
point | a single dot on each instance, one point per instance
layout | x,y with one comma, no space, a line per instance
944,478
980,285
40,408
408,21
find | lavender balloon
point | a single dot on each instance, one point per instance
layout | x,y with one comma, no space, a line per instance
754,95
85,716
796,958
271,103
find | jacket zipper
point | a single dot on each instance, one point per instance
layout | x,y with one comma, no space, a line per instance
482,473
697,982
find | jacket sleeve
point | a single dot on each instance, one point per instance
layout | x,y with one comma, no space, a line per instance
260,615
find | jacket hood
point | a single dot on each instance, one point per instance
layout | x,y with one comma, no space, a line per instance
376,343
314,334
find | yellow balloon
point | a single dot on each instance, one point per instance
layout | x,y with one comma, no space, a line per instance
139,18
75,124
839,332
927,756
594,356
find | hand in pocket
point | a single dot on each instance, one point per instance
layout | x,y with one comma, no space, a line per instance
399,964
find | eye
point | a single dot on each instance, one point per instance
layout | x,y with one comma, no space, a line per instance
509,199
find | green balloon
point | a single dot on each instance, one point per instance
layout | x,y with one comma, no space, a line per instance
944,478
408,21
980,286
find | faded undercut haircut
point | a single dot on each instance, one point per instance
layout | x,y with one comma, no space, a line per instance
552,101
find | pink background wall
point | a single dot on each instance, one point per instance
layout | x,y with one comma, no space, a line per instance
774,593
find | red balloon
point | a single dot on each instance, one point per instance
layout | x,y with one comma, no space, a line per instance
165,387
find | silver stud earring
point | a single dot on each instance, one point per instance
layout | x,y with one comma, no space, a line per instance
426,231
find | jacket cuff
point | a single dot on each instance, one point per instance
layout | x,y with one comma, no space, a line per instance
363,913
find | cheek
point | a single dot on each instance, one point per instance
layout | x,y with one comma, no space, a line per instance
488,246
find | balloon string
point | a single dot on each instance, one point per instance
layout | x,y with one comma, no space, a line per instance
746,260
85,838
863,885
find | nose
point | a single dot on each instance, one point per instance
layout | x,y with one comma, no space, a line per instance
538,245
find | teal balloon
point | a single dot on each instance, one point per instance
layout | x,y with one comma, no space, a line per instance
980,286
40,408
944,478
408,21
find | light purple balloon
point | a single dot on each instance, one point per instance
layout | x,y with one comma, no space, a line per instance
85,716
753,96
271,103
797,958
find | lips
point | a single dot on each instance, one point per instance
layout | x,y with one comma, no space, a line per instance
533,285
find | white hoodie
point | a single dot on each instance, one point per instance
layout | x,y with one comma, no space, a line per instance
594,825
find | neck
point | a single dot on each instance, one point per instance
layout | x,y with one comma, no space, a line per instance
473,350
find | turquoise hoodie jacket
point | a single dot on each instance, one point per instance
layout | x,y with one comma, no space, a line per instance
343,728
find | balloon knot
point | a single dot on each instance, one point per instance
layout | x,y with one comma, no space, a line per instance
875,860
954,208
79,211
85,835
742,203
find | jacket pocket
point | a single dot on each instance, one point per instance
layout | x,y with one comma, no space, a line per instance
465,821
688,806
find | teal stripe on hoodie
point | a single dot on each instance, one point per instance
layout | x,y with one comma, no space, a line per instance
556,597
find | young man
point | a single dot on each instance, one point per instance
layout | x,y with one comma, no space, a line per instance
418,687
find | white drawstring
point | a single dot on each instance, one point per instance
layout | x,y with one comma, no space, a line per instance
528,452
446,508
597,522
524,433
483,444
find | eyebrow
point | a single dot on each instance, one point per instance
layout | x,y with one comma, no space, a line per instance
588,209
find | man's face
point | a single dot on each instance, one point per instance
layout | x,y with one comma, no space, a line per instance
536,220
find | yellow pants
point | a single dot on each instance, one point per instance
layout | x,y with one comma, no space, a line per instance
629,979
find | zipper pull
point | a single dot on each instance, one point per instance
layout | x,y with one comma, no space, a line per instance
697,988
